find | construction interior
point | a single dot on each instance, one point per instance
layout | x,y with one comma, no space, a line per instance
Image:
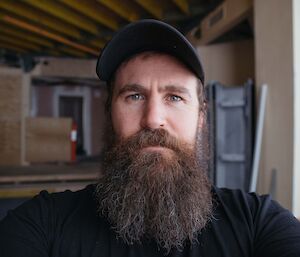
52,117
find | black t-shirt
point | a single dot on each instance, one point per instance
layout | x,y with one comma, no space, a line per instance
67,225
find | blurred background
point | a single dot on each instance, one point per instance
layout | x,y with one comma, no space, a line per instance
52,118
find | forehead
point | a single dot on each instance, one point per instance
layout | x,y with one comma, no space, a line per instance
153,66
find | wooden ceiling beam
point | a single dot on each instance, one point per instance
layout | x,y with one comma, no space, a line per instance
152,7
94,11
54,52
98,43
60,11
183,5
23,35
72,52
45,33
22,44
11,47
22,10
126,10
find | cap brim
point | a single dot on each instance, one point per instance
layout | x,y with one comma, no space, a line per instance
147,35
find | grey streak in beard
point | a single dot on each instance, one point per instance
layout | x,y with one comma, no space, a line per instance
148,195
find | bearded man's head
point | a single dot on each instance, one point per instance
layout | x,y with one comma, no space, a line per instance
154,185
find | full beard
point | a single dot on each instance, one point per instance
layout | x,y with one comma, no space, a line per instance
162,195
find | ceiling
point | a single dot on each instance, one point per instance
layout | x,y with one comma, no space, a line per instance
78,28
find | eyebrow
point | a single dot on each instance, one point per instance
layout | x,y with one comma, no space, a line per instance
176,88
130,88
139,88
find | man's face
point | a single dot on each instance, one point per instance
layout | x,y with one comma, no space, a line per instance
154,185
155,91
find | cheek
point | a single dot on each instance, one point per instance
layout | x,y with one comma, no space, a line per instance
124,122
187,127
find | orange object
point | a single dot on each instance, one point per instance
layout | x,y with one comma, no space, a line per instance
73,138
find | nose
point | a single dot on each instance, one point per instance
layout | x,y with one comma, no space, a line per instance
154,115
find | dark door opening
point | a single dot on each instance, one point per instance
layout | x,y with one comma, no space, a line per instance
71,107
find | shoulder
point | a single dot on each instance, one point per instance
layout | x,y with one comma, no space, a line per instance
35,226
59,202
68,199
264,219
241,200
46,209
252,204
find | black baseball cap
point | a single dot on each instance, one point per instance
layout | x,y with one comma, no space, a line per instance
147,35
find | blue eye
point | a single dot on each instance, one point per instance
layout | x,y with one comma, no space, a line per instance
175,98
135,97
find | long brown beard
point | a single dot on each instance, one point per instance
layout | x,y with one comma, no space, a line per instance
164,196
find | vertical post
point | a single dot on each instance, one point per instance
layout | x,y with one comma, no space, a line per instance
258,138
25,109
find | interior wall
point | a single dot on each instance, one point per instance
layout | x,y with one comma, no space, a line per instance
296,47
41,101
99,121
274,66
230,63
65,67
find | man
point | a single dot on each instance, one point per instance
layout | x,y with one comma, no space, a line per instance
154,198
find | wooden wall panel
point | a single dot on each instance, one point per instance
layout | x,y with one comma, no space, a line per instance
10,116
10,147
48,139
10,95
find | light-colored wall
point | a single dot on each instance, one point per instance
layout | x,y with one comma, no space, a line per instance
296,47
274,66
98,119
65,67
230,63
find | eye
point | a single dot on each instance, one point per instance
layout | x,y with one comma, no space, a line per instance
175,98
135,97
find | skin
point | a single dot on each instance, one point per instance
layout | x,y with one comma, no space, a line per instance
152,92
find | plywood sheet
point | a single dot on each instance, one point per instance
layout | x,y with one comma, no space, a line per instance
48,139
10,95
10,150
10,116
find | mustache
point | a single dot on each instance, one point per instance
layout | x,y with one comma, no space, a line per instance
156,137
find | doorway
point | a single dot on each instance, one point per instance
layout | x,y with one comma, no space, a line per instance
71,107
